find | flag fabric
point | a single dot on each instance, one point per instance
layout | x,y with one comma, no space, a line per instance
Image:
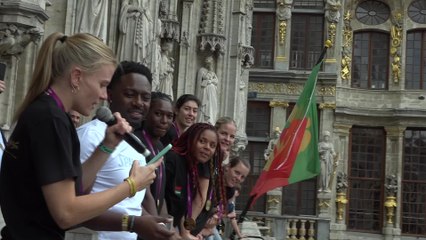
295,156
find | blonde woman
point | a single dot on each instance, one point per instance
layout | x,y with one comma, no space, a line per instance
41,182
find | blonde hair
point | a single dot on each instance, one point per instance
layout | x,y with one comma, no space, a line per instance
224,120
57,54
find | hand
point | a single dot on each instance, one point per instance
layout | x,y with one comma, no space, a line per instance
212,221
149,227
143,176
114,134
2,86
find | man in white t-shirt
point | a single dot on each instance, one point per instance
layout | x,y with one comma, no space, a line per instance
129,93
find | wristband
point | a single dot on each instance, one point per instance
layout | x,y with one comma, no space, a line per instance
125,222
105,149
132,186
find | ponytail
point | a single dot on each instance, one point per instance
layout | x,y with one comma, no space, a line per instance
57,54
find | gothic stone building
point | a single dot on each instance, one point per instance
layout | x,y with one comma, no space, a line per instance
370,91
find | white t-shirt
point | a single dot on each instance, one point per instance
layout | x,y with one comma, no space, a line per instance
113,172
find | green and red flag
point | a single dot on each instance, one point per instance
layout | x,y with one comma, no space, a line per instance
295,156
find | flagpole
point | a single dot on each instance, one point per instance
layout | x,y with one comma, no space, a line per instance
327,45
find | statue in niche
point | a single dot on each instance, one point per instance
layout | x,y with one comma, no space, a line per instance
272,143
166,69
208,81
92,17
135,31
327,156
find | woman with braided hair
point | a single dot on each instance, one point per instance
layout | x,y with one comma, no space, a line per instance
196,154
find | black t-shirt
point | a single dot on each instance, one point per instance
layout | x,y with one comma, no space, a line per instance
176,191
43,149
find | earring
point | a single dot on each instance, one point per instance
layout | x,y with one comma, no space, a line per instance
74,89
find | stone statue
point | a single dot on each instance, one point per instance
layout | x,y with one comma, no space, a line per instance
208,80
166,69
284,10
342,182
327,155
391,185
155,67
272,142
135,31
14,40
332,13
92,17
242,101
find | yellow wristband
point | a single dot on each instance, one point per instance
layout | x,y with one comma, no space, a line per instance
132,186
125,222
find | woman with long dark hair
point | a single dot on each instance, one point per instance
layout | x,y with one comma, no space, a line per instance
196,154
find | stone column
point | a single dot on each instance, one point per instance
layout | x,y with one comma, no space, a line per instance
278,114
339,194
278,117
283,29
394,150
188,48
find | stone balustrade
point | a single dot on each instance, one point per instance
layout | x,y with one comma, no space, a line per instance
286,227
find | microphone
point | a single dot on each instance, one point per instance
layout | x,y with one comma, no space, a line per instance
105,115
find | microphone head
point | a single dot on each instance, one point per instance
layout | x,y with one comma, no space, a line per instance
104,114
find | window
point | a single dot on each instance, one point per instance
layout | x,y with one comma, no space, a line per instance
258,119
416,11
262,39
264,3
413,213
366,180
372,12
257,129
370,63
300,198
308,4
254,153
415,74
306,40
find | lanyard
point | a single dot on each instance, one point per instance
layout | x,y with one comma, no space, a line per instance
160,168
55,97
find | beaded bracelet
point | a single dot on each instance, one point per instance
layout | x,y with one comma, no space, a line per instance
125,222
132,186
105,149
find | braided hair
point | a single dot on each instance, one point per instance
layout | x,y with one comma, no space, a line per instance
185,146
